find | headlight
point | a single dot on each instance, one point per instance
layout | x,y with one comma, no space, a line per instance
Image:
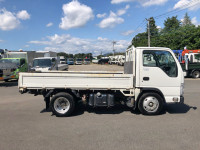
182,89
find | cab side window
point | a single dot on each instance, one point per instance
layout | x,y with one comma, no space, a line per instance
161,59
148,60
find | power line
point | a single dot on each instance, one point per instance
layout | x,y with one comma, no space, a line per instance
179,10
185,6
140,24
140,27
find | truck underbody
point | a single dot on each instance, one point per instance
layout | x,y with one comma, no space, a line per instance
97,89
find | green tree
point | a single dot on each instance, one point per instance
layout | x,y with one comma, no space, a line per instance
140,40
171,24
65,55
173,36
153,27
83,55
186,20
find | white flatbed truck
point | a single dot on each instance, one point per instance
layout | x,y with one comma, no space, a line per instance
152,77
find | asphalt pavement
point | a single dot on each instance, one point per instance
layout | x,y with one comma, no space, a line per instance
24,124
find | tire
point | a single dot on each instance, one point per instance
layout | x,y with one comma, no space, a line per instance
195,74
150,104
62,104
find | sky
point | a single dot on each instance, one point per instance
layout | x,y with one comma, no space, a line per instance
84,26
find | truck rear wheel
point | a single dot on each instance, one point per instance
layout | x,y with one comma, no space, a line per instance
62,104
150,104
195,74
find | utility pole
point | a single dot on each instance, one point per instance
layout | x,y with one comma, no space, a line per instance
114,42
149,38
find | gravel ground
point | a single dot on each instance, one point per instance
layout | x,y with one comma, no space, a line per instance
95,67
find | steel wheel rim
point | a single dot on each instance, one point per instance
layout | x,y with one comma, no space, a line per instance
151,104
62,105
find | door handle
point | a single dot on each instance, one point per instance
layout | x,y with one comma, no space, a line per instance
146,78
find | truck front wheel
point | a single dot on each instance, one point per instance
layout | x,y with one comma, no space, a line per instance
195,74
62,104
150,104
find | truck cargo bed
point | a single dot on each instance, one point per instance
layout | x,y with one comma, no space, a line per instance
76,80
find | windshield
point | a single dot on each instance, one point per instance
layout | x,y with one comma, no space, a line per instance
71,59
14,61
79,60
62,59
87,59
42,63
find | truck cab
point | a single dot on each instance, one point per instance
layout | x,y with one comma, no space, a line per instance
192,57
10,68
158,70
43,64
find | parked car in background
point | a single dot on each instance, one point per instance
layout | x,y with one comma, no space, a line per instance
62,60
70,61
121,60
103,61
111,60
79,61
95,61
86,61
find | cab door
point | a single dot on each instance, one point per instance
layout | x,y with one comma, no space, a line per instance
159,70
